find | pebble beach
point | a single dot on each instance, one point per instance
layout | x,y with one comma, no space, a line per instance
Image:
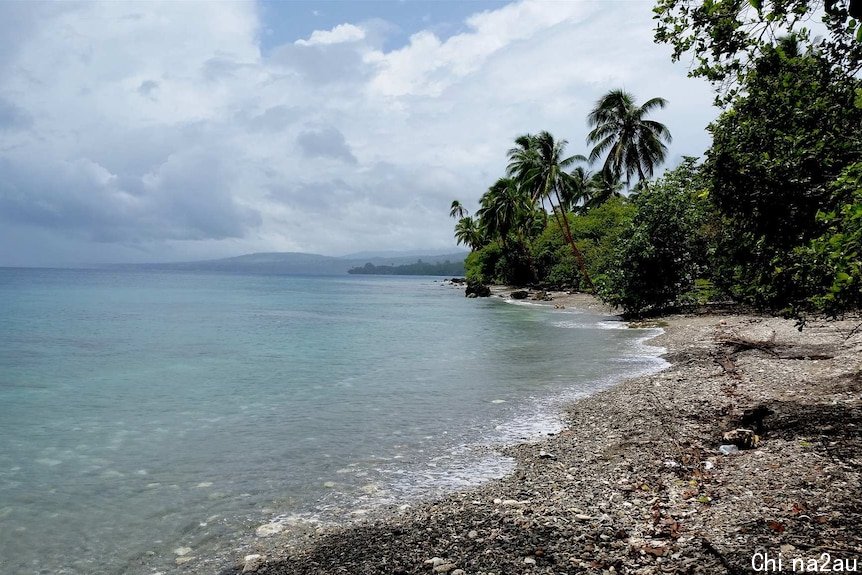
642,480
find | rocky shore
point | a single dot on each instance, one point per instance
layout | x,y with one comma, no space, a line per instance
639,483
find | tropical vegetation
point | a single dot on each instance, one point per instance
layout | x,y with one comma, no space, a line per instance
769,216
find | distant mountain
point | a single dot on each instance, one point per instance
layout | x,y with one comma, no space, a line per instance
294,263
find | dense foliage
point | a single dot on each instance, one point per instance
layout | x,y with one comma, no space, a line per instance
774,158
830,265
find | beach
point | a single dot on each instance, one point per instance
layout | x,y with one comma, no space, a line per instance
637,483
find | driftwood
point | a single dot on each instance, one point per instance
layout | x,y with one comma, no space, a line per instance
739,344
744,344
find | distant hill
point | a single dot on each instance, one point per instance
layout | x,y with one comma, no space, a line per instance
293,263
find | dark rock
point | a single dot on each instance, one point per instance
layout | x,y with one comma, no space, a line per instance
480,290
542,296
520,294
742,438
752,418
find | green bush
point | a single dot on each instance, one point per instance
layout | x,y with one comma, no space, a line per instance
481,264
596,234
829,268
663,252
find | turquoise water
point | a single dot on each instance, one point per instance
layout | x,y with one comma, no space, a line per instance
141,412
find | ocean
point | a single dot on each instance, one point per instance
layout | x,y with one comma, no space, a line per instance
149,416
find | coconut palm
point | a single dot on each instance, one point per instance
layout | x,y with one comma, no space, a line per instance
467,232
503,207
577,193
539,164
633,143
602,187
457,211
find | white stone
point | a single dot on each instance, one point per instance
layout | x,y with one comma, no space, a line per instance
182,551
269,529
529,561
252,563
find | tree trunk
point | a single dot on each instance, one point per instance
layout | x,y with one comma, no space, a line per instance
578,256
642,179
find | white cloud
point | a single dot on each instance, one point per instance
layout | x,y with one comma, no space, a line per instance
143,131
338,35
426,66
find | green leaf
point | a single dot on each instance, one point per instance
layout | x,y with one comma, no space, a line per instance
859,34
756,4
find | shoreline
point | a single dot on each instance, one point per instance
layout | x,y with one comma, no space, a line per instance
635,483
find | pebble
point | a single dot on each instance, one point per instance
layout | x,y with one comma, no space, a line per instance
529,561
182,551
252,563
472,534
445,568
269,529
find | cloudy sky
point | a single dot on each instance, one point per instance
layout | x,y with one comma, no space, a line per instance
134,132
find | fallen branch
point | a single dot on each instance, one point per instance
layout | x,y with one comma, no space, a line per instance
743,344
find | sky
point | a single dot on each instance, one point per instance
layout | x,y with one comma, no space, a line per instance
152,132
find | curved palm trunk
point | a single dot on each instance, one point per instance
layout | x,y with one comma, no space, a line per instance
578,255
642,178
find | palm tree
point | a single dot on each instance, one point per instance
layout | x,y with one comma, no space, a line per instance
539,164
602,187
634,144
503,208
457,211
576,195
467,232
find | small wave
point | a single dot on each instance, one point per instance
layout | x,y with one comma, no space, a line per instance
601,324
525,302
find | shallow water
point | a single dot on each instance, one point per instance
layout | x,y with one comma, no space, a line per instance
144,412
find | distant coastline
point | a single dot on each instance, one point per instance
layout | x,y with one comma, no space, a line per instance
419,268
300,263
